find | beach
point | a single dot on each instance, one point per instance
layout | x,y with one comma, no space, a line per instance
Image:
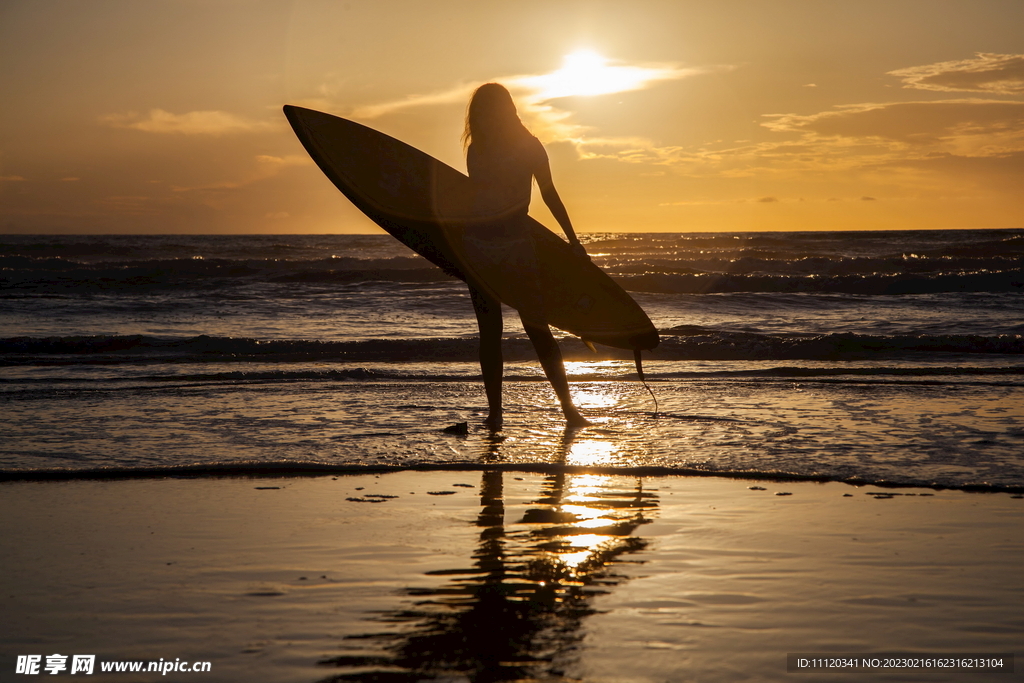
502,574
287,290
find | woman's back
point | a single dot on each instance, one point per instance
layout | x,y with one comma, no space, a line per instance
502,175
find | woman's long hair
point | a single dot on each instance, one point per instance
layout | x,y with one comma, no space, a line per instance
491,118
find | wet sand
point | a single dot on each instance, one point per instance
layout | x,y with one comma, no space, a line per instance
497,576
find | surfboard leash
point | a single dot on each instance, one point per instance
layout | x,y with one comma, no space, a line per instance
640,373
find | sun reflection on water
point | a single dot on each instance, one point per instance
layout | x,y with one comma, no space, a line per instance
578,546
591,452
523,602
582,512
583,486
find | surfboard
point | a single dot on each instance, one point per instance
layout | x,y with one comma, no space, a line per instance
426,205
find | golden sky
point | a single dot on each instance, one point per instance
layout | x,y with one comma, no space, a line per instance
158,116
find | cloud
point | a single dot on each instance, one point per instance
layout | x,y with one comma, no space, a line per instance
864,135
131,205
985,73
224,186
582,74
454,95
190,123
11,179
630,149
905,139
267,166
585,74
971,127
283,162
767,200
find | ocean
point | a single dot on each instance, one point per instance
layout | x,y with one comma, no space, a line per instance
888,357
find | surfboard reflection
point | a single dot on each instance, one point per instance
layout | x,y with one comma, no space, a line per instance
517,612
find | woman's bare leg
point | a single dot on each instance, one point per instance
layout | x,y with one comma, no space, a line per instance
551,360
488,320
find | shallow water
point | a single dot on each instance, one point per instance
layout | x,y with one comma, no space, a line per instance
889,356
492,576
942,429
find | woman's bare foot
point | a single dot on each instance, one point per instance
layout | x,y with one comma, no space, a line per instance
494,421
574,420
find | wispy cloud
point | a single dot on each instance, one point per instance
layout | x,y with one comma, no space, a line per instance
456,94
902,139
985,73
267,166
132,205
189,123
277,163
865,135
583,74
772,199
972,127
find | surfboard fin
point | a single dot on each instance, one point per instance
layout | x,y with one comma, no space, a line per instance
589,345
640,373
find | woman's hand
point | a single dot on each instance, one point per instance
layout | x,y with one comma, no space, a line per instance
578,249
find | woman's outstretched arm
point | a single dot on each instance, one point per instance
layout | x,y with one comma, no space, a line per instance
550,195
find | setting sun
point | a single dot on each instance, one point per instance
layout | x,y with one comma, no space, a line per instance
586,73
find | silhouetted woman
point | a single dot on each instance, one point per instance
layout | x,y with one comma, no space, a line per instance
503,158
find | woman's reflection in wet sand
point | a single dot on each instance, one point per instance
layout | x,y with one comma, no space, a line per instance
518,612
